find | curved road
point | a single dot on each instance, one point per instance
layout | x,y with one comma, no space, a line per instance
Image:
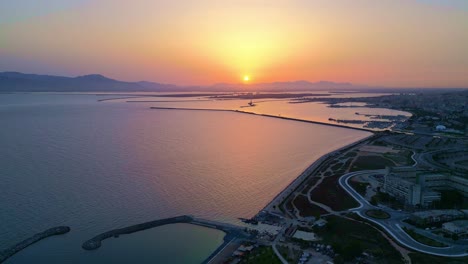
392,225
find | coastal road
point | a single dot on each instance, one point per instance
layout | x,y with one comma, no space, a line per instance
393,225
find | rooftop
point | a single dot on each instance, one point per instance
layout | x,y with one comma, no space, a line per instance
462,224
435,213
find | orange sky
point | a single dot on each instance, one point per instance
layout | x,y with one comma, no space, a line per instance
388,42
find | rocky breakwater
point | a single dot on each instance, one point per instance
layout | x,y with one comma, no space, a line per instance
59,230
95,242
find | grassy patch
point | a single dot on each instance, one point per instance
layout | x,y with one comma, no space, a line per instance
451,200
337,166
261,255
351,154
379,214
360,187
350,238
401,158
290,254
330,193
379,143
288,205
306,208
310,182
462,162
423,239
371,163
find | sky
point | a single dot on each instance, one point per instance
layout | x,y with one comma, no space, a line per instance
393,43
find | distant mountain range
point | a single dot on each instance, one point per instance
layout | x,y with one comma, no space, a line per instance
21,82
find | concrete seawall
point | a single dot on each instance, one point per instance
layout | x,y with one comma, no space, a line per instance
95,242
5,254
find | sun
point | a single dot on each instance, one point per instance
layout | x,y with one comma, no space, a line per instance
246,78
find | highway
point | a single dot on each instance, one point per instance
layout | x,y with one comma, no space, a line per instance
393,225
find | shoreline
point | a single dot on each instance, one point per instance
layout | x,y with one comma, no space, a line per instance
297,182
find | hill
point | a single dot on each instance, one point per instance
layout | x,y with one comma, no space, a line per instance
21,82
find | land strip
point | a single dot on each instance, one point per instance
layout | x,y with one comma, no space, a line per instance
7,253
265,115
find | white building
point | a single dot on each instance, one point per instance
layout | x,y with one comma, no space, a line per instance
459,227
403,190
417,187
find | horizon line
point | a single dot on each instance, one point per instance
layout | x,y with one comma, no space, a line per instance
350,84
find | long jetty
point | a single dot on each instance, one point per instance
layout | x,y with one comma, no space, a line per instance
7,253
265,115
95,242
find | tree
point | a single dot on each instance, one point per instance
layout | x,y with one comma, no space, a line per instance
352,250
317,215
451,199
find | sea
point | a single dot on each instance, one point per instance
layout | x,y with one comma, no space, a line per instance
74,160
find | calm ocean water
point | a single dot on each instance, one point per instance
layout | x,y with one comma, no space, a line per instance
314,111
70,160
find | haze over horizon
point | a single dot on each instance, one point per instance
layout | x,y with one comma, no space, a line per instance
377,43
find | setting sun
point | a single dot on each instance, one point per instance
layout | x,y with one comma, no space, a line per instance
246,78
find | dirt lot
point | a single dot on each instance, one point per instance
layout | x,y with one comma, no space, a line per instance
371,163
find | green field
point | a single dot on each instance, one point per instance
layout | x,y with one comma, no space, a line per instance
261,255
401,158
423,239
290,254
350,238
371,163
330,193
306,208
360,187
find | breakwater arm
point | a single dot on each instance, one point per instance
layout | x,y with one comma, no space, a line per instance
5,254
95,242
264,115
